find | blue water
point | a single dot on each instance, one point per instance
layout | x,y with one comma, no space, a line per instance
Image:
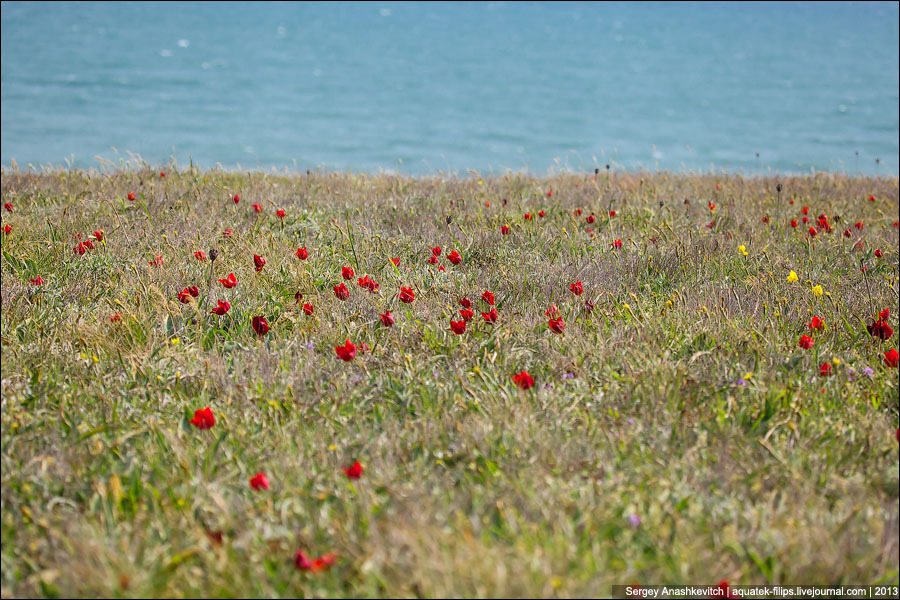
420,88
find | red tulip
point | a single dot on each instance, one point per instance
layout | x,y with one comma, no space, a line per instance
184,296
523,380
406,295
200,255
878,253
825,370
577,288
302,253
466,314
387,319
80,249
527,217
465,302
816,323
341,292
436,251
812,232
490,317
236,198
89,244
454,257
98,235
37,280
848,233
324,562
588,306
7,229
227,233
805,210
859,225
552,311
259,262
458,327
115,317
347,273
549,193
396,261
556,325
257,207
280,213
892,358
712,207
726,591
590,219
162,174
132,196
367,283
347,352
222,308
806,342
229,282
157,262
203,418
308,309
612,213
259,482
354,471
794,223
488,297
617,244
577,212
260,325
432,260
880,329
302,561
504,229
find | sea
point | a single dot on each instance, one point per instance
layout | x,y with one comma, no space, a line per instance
447,88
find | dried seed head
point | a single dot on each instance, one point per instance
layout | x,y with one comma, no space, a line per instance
213,253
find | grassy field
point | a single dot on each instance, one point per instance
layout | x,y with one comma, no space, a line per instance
676,431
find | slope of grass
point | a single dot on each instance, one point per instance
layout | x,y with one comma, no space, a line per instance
675,433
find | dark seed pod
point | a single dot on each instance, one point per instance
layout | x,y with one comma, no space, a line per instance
213,253
778,187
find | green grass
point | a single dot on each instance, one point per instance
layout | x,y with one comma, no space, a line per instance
472,487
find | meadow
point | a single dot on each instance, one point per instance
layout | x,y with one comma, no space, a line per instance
527,386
